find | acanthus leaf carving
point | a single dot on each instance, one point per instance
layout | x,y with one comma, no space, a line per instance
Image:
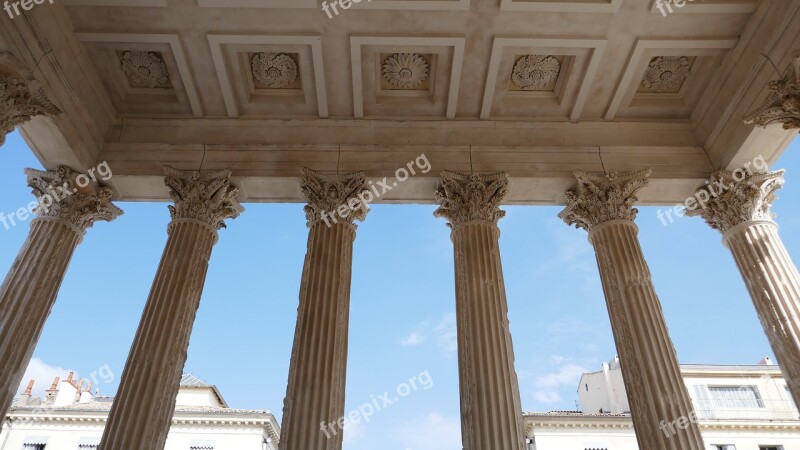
21,99
80,206
405,70
783,102
274,70
666,73
208,197
534,72
744,199
327,194
469,197
145,69
602,197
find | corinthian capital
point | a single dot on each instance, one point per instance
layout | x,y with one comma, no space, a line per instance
737,200
334,197
783,103
205,196
20,100
602,197
61,195
469,197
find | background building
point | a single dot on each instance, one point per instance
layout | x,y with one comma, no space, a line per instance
70,417
742,407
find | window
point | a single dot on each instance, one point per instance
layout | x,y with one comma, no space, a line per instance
34,443
770,447
201,445
725,447
92,443
734,397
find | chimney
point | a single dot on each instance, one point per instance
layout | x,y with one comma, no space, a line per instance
86,396
50,394
25,398
78,391
69,378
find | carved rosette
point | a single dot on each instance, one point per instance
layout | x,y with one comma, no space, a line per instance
602,197
208,197
275,70
61,198
471,197
21,100
145,69
745,200
327,194
405,70
666,72
534,72
783,103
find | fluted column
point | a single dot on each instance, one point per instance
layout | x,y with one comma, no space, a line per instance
491,413
21,96
742,213
142,412
29,290
314,402
603,205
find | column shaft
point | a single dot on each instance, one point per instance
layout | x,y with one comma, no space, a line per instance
142,411
491,413
774,284
660,405
316,388
29,291
655,387
27,296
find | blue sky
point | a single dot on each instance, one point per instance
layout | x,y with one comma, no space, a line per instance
402,313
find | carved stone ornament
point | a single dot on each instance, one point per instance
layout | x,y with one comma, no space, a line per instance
330,194
145,69
602,197
535,72
205,196
21,98
275,70
61,197
405,70
783,103
470,197
666,73
742,200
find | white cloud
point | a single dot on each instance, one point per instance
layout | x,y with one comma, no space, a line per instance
354,431
43,373
547,396
415,338
431,432
568,375
446,334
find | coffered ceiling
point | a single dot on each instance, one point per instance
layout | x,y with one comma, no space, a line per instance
536,88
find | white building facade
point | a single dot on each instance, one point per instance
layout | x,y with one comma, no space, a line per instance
736,408
70,417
